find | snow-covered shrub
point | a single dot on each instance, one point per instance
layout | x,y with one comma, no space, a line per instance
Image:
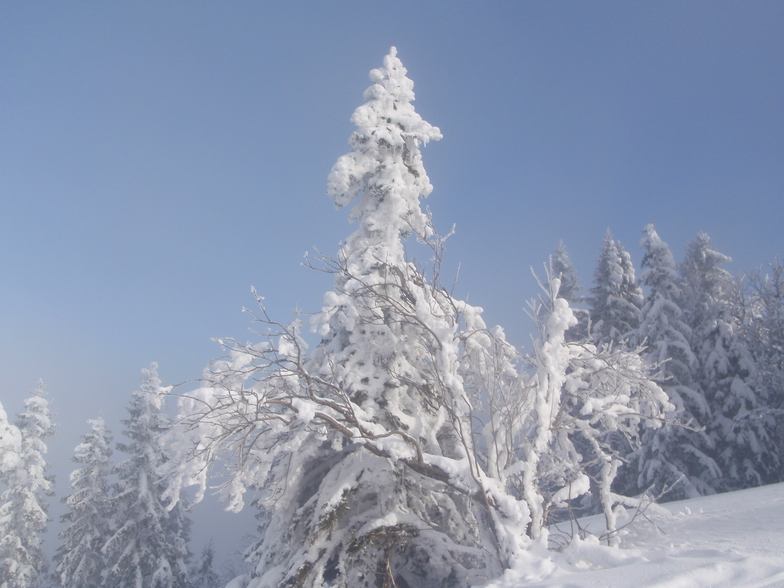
588,405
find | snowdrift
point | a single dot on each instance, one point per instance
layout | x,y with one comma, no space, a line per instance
733,540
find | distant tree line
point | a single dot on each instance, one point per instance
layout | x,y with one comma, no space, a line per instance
717,340
119,532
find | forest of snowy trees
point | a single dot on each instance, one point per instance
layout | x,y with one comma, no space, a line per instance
414,445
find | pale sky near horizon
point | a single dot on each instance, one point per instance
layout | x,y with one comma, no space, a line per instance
157,159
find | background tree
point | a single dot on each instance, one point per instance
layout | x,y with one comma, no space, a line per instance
80,561
561,267
147,546
203,574
764,327
741,428
675,454
757,300
10,446
616,298
24,503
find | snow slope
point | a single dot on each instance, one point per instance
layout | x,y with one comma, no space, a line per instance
730,540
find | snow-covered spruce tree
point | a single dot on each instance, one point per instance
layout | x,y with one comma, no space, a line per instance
80,562
362,450
10,448
24,503
562,268
741,428
589,406
761,305
147,545
764,326
679,453
203,573
616,298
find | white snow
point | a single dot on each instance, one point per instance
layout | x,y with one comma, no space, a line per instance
732,540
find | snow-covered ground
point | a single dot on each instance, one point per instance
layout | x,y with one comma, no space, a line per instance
731,540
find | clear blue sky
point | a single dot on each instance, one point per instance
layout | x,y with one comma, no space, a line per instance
159,158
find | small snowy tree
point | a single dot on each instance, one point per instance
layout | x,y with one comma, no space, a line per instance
675,454
741,428
562,268
24,503
616,298
147,546
203,574
80,562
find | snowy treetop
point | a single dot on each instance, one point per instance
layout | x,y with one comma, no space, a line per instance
384,167
660,270
10,443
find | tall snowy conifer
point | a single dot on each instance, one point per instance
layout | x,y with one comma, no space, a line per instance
147,546
80,562
741,428
24,503
762,309
673,454
363,449
616,298
386,511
